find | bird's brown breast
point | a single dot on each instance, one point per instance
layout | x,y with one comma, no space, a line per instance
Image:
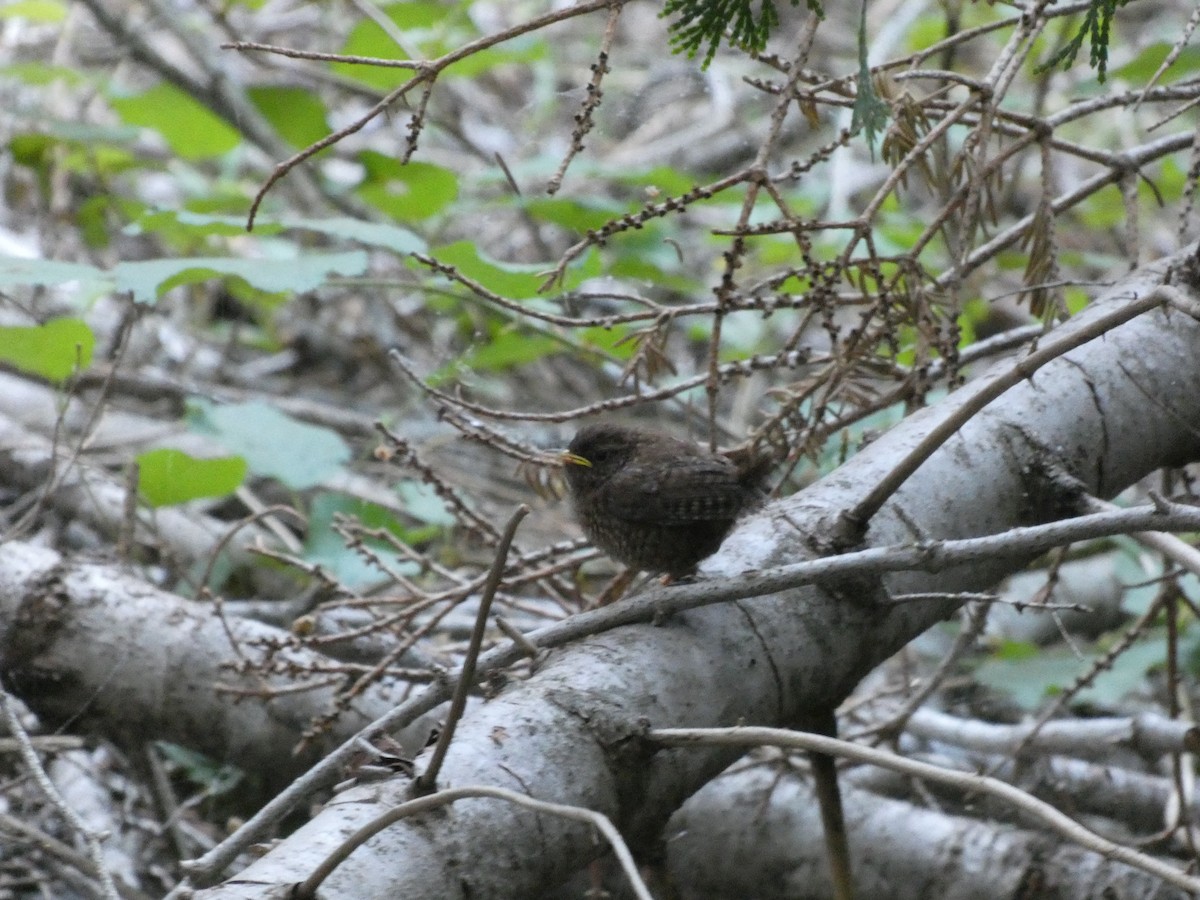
654,502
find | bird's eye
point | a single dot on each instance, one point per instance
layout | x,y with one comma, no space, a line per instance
602,454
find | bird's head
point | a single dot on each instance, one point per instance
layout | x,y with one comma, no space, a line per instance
595,453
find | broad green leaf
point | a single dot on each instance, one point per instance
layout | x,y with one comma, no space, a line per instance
423,504
1077,299
273,444
373,234
658,266
406,191
297,114
509,347
191,130
30,149
610,340
516,282
415,14
324,546
1189,584
47,272
1015,651
182,226
39,73
420,20
659,183
525,49
1139,573
215,778
1140,69
167,477
1029,680
579,215
1171,180
926,31
54,350
34,11
147,279
1102,210
92,219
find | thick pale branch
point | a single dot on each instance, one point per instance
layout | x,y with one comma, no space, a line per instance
570,733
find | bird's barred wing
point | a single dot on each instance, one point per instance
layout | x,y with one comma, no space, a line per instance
695,489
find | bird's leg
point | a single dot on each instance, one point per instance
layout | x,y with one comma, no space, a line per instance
615,589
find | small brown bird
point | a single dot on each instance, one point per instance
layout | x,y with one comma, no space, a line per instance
654,502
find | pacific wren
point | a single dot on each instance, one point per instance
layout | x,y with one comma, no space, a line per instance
654,502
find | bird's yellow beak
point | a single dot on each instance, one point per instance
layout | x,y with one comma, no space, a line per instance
574,459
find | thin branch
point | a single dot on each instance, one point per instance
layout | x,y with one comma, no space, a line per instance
968,782
427,781
661,602
33,765
988,391
601,822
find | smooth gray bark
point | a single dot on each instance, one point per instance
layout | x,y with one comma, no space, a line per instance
755,834
85,644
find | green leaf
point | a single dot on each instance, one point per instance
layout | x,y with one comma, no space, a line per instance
659,182
373,234
525,49
1102,210
1015,651
55,350
191,130
34,11
1029,680
422,21
580,215
167,477
273,444
147,279
609,340
182,226
214,778
1139,574
1142,67
39,73
419,14
515,281
92,220
423,504
46,272
325,547
297,114
1129,670
507,348
406,191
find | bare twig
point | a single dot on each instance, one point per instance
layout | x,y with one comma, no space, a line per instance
427,780
442,798
968,782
